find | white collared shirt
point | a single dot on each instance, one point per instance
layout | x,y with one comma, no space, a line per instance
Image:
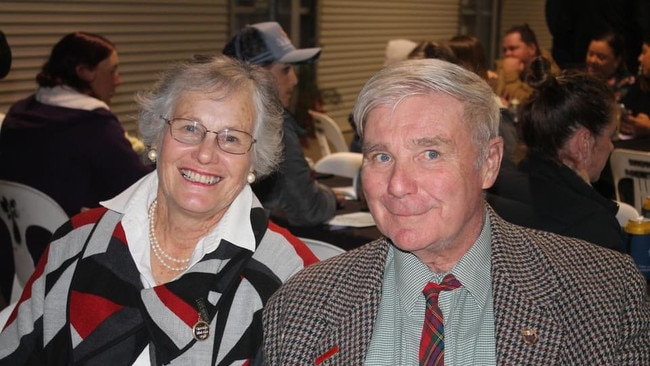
134,204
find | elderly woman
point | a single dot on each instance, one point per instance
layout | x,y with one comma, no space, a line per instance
567,125
179,266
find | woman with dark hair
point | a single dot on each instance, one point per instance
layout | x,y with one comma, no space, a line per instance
567,125
64,140
605,59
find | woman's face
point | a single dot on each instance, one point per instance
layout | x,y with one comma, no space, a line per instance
601,61
602,147
644,60
105,78
203,180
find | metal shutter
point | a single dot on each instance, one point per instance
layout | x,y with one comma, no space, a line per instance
149,34
353,35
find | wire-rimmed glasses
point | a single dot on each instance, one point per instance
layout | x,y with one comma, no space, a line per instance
192,132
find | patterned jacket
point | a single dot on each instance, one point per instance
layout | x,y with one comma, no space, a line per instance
85,303
581,304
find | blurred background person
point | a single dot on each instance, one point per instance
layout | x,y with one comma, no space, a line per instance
470,54
6,251
64,140
567,125
635,122
605,59
5,62
520,46
291,191
192,286
396,50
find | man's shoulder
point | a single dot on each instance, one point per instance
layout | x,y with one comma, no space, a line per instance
356,268
524,247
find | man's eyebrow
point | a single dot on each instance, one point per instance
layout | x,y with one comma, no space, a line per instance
430,141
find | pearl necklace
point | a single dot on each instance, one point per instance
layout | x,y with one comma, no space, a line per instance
157,249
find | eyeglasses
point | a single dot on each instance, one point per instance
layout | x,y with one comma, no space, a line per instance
191,132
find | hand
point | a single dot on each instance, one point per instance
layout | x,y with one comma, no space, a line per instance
512,65
637,126
340,198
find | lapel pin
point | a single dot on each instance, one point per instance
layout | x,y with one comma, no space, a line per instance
529,335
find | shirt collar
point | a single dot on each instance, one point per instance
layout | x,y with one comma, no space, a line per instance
473,270
134,204
66,97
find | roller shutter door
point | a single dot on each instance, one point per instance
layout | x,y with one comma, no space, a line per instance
149,34
353,35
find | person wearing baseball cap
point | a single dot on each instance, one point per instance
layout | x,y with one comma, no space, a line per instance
292,190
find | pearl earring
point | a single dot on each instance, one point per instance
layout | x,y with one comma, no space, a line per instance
250,178
152,155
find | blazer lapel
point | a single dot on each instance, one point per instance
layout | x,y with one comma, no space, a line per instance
348,313
525,294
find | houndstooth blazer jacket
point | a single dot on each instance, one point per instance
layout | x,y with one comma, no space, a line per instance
557,301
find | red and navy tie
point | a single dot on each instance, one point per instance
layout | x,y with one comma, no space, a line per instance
432,343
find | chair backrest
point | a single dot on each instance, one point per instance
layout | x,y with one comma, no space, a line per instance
625,213
344,164
634,166
321,249
21,208
327,130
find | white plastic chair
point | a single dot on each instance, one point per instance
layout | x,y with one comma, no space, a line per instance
21,207
344,164
321,249
633,165
328,132
625,213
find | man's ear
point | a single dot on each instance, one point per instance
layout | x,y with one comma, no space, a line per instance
85,73
492,162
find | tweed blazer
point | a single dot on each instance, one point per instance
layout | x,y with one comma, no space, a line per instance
581,304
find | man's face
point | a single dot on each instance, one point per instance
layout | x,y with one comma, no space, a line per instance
513,46
420,175
285,80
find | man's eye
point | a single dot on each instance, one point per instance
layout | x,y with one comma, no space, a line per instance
381,158
431,155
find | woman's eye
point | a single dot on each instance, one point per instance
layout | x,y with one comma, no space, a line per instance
189,128
431,155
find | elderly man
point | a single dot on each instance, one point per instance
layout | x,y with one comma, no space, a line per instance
508,295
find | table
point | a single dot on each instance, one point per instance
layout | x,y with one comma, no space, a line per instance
347,237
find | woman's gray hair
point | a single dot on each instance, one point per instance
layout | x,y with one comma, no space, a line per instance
210,74
392,84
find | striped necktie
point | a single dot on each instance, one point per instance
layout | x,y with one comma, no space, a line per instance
432,344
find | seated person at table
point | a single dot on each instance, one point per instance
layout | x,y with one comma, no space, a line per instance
606,59
64,140
636,122
567,125
519,48
191,288
510,295
293,190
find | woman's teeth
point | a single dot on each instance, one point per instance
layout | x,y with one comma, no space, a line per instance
200,178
